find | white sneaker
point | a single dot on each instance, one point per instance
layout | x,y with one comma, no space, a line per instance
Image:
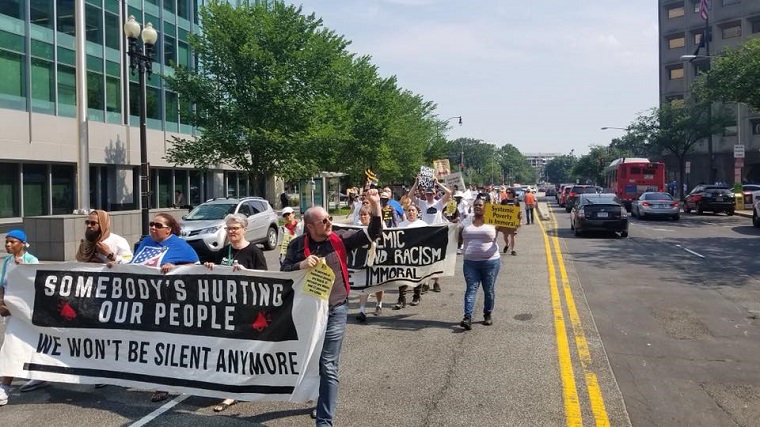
33,385
459,252
5,391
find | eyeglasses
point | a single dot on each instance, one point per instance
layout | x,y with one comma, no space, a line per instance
157,225
232,228
88,222
326,220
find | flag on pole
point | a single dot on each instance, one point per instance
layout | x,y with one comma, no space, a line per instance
703,9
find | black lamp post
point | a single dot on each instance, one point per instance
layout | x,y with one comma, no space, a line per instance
141,59
461,144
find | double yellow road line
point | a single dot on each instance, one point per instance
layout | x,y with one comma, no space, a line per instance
570,392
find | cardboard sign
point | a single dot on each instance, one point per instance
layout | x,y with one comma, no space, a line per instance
426,177
371,179
441,167
502,215
286,238
319,281
454,181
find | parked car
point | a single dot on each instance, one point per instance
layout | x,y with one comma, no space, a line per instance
598,212
203,227
715,198
562,195
577,190
654,204
550,191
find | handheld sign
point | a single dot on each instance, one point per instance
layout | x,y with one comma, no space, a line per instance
455,181
319,281
507,216
370,178
442,167
426,177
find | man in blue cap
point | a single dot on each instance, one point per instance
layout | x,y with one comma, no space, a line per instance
15,245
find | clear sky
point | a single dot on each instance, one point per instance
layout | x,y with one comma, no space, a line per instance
542,75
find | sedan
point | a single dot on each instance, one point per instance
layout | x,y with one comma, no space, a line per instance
598,212
653,204
714,198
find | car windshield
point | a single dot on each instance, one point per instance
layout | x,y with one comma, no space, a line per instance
211,211
602,200
658,196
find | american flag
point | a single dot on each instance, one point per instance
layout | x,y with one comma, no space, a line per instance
703,9
150,256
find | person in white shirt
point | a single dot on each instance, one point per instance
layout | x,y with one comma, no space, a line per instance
412,221
431,211
100,244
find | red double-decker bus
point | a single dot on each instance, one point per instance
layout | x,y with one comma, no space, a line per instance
629,177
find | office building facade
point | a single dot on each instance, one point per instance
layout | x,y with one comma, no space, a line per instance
681,28
39,138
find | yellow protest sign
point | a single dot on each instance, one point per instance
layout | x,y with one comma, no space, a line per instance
502,215
451,207
286,238
319,280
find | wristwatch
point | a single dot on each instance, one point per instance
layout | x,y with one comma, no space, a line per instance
111,256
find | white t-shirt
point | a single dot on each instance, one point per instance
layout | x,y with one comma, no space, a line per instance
412,224
355,212
119,246
431,213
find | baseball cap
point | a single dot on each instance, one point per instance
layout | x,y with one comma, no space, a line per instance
287,210
429,191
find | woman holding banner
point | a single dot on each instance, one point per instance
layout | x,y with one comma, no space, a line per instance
481,263
510,233
364,216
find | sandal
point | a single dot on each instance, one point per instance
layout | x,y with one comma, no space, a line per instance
159,396
224,405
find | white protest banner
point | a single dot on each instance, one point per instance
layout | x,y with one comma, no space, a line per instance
404,256
454,181
248,335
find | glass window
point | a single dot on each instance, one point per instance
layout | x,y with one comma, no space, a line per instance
675,12
113,30
154,2
94,64
113,69
12,92
180,184
170,6
94,24
183,9
113,95
697,38
756,27
196,188
164,195
41,13
732,31
66,16
95,92
67,95
42,50
66,56
43,86
183,53
35,190
730,2
9,190
172,109
676,42
676,73
12,8
170,48
154,103
63,189
134,95
12,41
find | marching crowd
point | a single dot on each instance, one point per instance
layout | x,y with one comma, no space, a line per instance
303,244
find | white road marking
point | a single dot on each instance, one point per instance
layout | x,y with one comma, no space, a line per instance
690,251
165,407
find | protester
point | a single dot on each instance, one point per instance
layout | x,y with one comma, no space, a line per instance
413,220
481,263
431,211
15,246
509,233
284,200
238,254
395,204
389,214
353,210
319,241
289,231
100,244
530,205
164,249
364,216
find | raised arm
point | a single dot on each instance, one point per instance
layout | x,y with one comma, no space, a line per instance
447,191
412,194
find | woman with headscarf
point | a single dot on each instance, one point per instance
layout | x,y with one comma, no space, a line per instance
100,244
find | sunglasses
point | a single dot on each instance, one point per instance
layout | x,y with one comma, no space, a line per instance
232,228
326,220
157,225
88,222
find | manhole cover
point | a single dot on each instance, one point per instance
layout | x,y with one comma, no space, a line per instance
523,317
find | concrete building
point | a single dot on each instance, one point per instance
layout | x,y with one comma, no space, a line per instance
39,138
538,161
731,22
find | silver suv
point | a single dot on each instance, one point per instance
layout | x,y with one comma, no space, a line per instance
203,227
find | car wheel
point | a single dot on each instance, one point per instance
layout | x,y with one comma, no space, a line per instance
700,211
676,217
642,215
730,212
686,209
271,241
623,234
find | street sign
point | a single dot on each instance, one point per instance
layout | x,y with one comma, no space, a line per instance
688,167
738,151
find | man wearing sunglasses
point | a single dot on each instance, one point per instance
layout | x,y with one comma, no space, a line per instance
319,241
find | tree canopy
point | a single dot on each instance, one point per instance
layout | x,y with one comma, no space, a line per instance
734,76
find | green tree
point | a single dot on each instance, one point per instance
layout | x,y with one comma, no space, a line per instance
676,128
261,72
514,166
560,169
590,167
734,76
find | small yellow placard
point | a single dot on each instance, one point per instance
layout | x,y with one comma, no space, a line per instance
286,238
451,207
502,215
319,280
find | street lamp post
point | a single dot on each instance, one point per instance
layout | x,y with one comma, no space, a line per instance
141,59
461,145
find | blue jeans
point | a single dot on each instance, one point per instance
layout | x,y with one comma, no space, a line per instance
476,273
529,214
328,365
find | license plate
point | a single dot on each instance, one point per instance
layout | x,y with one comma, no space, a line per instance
719,199
601,215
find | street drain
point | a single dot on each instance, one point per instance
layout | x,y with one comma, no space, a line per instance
523,317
